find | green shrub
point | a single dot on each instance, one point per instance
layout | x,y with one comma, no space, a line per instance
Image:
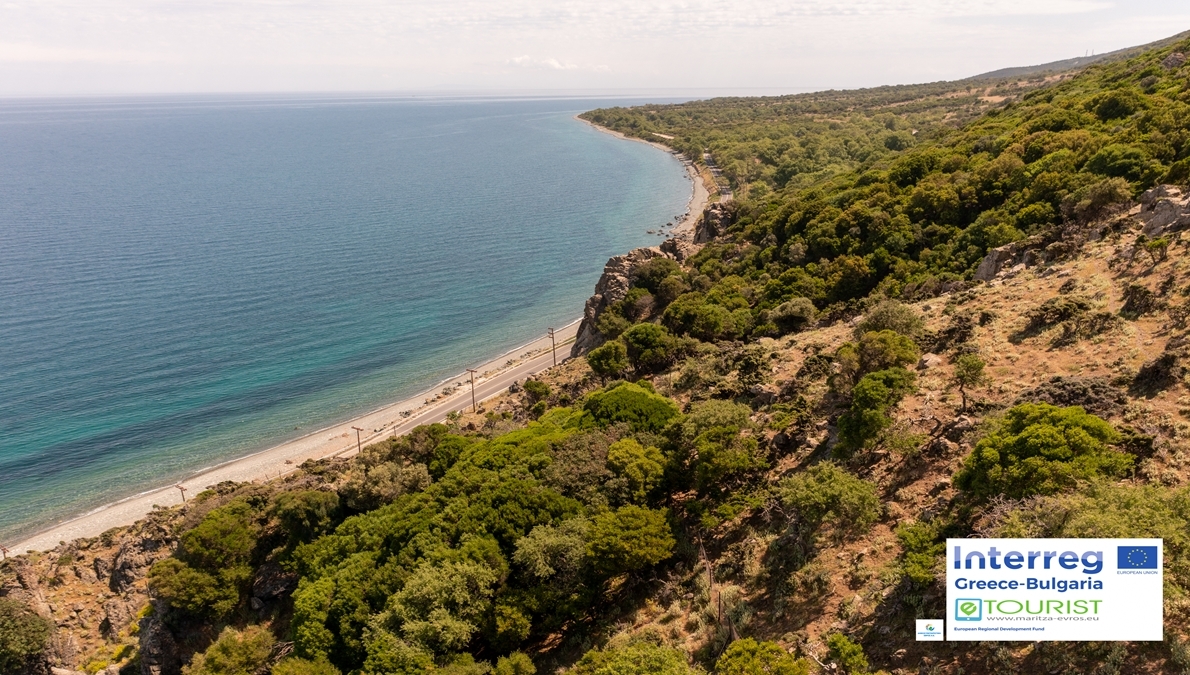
23,635
640,467
628,539
609,360
891,315
921,550
722,457
516,663
794,314
1116,510
849,655
551,551
632,404
299,666
650,347
827,493
875,351
651,274
441,604
871,399
211,568
1041,449
707,415
537,390
306,514
234,653
633,659
749,657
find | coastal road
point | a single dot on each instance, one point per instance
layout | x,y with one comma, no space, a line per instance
484,389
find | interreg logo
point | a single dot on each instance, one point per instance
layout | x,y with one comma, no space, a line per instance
1136,557
968,609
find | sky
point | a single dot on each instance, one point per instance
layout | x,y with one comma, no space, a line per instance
99,47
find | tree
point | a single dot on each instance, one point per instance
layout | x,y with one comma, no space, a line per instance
722,456
649,347
516,663
876,350
441,604
633,659
299,666
306,514
871,399
749,657
629,539
211,569
23,635
633,404
827,492
609,360
551,551
1041,449
968,372
639,466
234,653
849,655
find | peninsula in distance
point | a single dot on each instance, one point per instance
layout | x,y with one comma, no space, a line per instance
845,326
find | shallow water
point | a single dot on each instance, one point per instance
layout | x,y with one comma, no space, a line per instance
186,280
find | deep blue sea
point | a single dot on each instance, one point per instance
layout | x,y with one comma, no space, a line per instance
187,280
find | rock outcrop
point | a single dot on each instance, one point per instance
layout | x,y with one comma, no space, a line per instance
714,221
1027,251
1164,209
611,288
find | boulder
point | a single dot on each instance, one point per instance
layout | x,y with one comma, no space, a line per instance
763,394
680,247
611,288
993,262
1174,61
1024,252
714,221
1164,209
928,361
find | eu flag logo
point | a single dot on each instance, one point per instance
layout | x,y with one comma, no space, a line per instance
1136,557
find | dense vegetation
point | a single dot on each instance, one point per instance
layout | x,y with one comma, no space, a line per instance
492,547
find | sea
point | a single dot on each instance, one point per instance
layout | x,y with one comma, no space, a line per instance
187,280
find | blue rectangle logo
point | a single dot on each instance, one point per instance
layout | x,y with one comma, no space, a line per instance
968,609
1136,557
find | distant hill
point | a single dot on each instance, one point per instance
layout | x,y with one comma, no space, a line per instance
1080,62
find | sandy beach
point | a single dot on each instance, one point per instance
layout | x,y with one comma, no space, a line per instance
340,440
699,195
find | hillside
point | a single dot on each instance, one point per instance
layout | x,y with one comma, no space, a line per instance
928,311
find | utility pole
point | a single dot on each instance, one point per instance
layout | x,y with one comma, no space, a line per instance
3,552
359,448
553,348
182,490
474,406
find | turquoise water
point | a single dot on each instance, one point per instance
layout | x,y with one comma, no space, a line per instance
184,280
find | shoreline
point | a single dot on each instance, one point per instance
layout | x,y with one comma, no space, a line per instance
337,440
700,195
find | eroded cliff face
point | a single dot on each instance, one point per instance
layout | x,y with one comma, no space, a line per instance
617,274
95,593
